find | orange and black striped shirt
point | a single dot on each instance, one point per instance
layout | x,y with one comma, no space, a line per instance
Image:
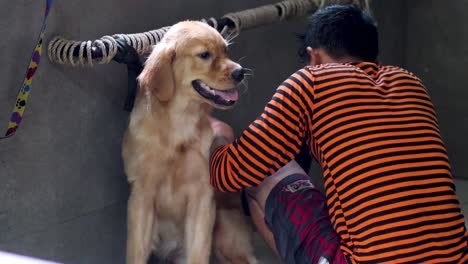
387,176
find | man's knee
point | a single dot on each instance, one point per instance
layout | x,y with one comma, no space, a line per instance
261,192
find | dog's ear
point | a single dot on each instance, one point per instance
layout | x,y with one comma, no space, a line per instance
157,76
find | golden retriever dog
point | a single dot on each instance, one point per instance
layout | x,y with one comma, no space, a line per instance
173,212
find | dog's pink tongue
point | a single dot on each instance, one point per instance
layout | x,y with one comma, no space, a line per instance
231,95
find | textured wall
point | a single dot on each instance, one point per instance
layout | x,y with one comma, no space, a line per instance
437,51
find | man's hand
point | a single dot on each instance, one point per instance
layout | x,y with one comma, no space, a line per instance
223,133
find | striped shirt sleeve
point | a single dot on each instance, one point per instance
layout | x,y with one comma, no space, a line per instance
270,142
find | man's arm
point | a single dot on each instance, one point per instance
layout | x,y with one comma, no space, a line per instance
219,141
223,134
270,142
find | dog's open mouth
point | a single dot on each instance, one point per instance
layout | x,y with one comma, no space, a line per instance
219,97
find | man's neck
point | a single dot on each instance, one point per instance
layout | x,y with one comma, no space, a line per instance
348,59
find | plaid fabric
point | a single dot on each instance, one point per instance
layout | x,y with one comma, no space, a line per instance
297,215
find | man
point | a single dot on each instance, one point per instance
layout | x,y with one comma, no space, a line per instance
389,193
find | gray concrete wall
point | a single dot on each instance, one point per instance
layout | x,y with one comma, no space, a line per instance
437,51
391,20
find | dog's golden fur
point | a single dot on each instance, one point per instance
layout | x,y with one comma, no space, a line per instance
172,210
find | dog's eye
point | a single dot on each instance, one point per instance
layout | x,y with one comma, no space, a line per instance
204,55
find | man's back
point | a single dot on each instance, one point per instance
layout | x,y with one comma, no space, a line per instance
387,177
389,189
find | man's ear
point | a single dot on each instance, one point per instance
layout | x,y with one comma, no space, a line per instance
157,76
315,57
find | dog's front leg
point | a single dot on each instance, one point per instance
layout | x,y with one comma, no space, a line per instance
199,227
140,225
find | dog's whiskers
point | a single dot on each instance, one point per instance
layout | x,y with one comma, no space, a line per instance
231,36
230,40
241,58
246,88
228,35
244,84
248,70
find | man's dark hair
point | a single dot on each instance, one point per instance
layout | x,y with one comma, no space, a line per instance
342,30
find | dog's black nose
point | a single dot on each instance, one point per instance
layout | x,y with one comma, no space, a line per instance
238,74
